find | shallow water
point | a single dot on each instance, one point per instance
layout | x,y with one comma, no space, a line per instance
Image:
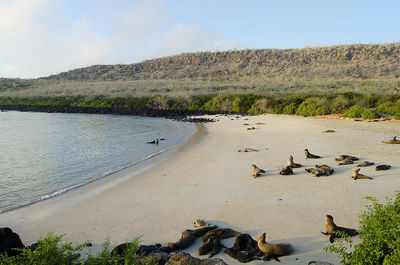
45,154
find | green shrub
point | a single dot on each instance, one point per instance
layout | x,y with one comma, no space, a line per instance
289,109
312,106
51,251
389,108
340,104
379,234
361,112
242,103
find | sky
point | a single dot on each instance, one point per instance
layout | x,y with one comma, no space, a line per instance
44,37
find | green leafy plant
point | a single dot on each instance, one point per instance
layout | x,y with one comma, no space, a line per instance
379,235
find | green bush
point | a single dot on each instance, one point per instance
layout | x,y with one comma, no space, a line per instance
361,112
340,104
51,251
312,106
289,109
242,103
389,108
379,234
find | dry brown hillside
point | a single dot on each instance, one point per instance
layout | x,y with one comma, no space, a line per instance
352,62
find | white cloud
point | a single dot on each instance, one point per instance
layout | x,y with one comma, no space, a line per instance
189,39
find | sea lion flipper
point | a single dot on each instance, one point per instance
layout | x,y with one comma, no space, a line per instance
332,238
324,233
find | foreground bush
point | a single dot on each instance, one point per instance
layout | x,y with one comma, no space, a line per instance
361,112
379,234
51,251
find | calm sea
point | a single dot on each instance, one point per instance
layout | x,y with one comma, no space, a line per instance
45,154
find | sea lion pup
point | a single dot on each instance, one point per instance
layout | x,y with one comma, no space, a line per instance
365,164
286,171
346,162
212,245
200,223
382,167
247,150
292,164
346,157
245,249
273,250
309,155
357,175
251,128
325,168
315,172
257,171
331,228
392,141
328,131
220,233
188,237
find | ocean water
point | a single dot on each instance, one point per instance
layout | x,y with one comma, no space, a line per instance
45,154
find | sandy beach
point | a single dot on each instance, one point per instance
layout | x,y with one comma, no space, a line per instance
208,179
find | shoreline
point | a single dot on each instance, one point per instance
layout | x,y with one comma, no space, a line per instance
210,180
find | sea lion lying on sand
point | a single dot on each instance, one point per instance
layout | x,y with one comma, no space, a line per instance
273,250
260,123
331,228
251,128
220,233
213,245
286,171
392,141
200,223
188,237
357,175
365,164
309,155
247,150
257,171
346,157
346,162
328,131
325,168
245,249
292,164
382,167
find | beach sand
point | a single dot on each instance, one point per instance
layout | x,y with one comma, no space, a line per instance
208,179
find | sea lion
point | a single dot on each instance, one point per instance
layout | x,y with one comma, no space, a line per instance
213,245
257,171
260,123
309,155
315,172
286,171
357,175
246,124
346,162
188,237
328,131
220,233
346,157
325,168
245,249
273,250
392,141
365,164
247,150
156,141
251,128
382,167
331,228
200,223
293,164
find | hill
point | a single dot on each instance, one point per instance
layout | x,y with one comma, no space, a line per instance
343,62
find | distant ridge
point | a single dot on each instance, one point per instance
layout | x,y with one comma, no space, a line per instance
353,62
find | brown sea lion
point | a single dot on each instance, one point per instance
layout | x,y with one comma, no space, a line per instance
260,123
331,228
382,167
328,131
200,223
246,124
346,157
392,141
365,164
286,171
273,250
357,175
257,171
251,128
220,233
309,155
315,172
292,164
188,237
213,245
346,162
247,150
245,249
325,168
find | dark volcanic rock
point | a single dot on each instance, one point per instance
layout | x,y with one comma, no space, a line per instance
183,258
8,241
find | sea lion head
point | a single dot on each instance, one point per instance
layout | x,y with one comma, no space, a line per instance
329,218
262,237
254,166
306,150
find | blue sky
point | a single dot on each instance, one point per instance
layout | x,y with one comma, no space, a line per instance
43,37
